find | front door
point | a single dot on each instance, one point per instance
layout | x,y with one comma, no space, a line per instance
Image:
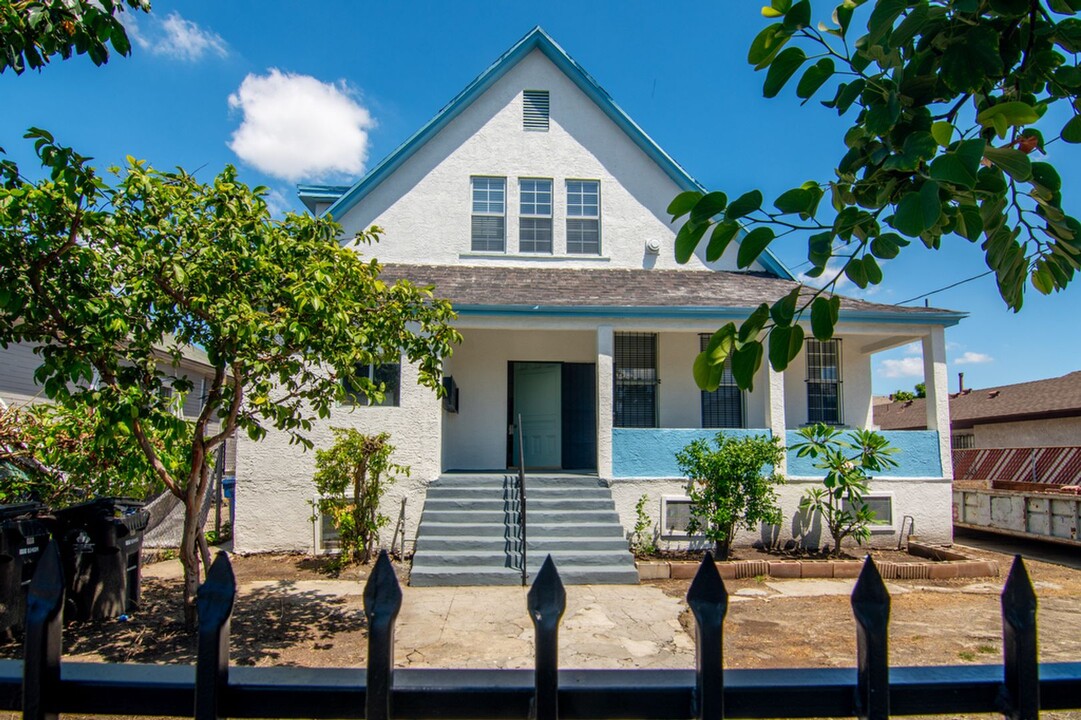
558,404
538,400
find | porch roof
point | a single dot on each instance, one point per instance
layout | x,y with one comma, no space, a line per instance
491,289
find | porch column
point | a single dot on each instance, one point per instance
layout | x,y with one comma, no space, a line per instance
938,394
605,349
774,397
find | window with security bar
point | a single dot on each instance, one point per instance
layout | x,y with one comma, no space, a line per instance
583,217
635,371
824,398
723,407
489,214
535,215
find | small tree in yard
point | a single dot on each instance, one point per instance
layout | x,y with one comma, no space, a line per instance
104,278
727,487
847,464
352,476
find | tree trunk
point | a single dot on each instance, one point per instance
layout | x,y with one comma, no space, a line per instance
721,549
189,558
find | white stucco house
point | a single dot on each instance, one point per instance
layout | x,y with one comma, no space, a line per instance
537,206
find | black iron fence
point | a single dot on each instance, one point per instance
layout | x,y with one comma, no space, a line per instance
42,686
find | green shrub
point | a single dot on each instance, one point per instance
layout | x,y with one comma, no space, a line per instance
727,487
351,477
643,539
848,464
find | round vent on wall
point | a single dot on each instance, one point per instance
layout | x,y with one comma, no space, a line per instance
653,246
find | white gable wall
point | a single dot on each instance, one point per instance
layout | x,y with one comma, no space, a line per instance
425,206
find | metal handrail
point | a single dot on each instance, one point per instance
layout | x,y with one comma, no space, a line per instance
521,499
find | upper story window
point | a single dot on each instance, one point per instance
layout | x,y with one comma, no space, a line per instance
824,382
584,217
535,110
535,221
723,407
489,214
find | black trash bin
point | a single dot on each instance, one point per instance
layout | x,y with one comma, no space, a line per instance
101,546
23,537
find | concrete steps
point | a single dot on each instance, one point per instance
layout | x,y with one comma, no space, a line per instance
469,533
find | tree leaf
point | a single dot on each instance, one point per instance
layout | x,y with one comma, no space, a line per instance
745,363
754,323
796,200
784,310
799,16
708,206
824,314
942,132
719,240
752,245
918,211
781,70
814,78
885,247
687,240
1071,131
745,204
766,44
1045,175
872,270
1014,163
1006,115
683,203
856,272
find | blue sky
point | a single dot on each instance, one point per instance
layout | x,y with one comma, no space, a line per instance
320,91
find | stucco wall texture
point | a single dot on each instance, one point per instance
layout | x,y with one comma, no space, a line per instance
1031,433
929,501
274,478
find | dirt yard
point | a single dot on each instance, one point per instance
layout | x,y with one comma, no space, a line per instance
291,612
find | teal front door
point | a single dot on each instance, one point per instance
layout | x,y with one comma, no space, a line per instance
537,399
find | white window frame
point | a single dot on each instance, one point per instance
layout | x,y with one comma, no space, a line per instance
881,527
666,500
571,217
523,215
317,535
474,213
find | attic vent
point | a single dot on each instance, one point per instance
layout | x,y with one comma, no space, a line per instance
535,110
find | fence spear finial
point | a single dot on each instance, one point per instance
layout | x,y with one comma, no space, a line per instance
1022,670
708,600
546,601
871,606
382,601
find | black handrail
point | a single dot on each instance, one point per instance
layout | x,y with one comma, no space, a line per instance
521,499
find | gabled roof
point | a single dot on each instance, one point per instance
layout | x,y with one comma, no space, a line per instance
1050,398
536,39
501,290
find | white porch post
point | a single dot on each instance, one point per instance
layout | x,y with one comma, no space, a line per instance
774,391
938,397
605,350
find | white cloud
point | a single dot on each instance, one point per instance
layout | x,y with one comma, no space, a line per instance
913,349
296,127
905,367
973,358
176,37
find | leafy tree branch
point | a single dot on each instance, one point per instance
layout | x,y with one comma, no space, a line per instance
949,101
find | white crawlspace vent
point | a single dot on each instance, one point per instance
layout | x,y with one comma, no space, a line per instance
535,110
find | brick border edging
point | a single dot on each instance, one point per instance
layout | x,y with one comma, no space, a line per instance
945,564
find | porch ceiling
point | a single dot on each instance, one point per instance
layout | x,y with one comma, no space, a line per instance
526,289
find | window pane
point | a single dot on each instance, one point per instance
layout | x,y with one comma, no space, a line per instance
488,195
487,233
723,407
535,235
583,237
824,381
635,365
536,197
387,374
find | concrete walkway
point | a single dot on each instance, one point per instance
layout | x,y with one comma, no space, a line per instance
604,626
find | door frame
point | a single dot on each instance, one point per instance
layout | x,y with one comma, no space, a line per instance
512,462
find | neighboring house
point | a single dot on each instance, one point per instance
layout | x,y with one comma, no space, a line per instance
537,207
18,363
1041,413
